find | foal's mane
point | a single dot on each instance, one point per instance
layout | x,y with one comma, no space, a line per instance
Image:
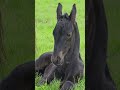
65,16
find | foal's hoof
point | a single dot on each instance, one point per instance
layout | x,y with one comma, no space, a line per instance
68,85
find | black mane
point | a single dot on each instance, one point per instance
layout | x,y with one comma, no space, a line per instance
65,16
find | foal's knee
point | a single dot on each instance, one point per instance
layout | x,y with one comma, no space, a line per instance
68,85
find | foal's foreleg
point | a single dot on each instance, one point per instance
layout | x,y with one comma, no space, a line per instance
72,76
48,74
68,83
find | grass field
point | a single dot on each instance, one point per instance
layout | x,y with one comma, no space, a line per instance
45,20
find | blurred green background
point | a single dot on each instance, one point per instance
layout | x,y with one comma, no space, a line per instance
19,33
112,9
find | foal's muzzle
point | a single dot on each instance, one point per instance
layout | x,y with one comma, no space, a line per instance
57,59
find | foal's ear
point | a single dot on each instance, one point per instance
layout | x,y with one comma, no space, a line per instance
59,11
73,13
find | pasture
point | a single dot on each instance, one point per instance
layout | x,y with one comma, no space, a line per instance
45,20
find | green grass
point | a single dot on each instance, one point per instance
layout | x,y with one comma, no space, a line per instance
54,85
45,20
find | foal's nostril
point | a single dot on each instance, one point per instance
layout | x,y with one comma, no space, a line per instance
58,58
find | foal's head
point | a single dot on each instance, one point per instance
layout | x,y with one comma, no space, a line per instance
64,34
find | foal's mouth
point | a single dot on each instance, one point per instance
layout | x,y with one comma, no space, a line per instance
57,60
